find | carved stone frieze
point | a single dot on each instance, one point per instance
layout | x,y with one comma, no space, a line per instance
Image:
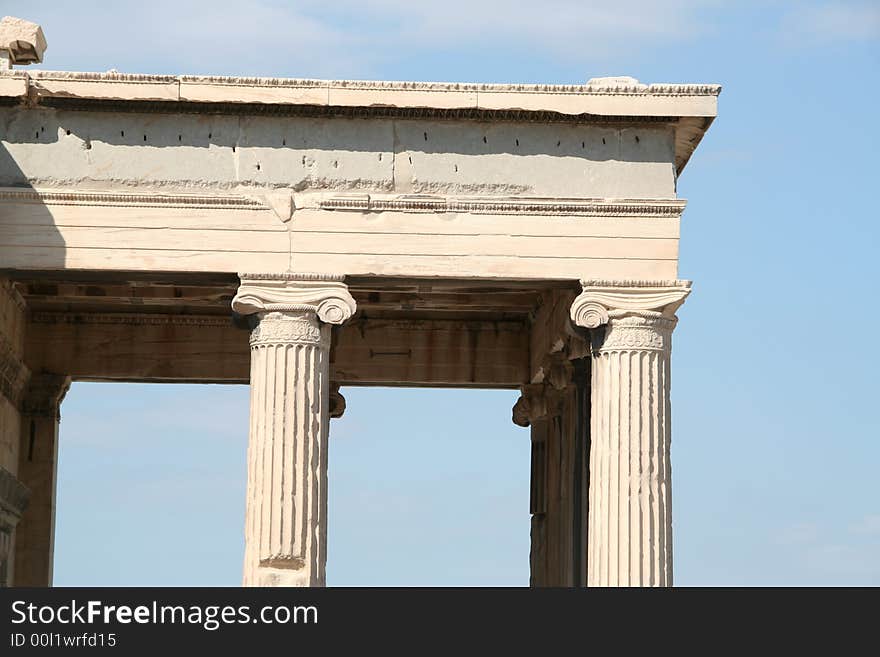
643,331
276,328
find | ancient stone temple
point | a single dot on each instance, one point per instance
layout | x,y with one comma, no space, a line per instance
303,236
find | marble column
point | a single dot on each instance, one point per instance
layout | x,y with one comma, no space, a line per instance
286,511
630,495
37,470
530,410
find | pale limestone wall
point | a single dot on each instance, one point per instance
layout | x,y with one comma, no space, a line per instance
47,147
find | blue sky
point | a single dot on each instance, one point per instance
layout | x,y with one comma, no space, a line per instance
775,448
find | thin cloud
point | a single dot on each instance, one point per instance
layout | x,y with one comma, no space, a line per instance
867,526
830,23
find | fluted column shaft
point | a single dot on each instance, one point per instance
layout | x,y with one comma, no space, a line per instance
286,510
286,514
630,498
630,522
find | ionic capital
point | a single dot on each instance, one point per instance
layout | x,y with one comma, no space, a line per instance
601,300
326,296
44,394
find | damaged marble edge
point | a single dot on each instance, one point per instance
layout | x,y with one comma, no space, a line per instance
594,97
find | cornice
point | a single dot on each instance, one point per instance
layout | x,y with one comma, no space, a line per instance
598,87
660,208
690,107
327,296
601,299
117,199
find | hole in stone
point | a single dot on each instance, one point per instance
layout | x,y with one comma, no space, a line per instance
233,149
485,141
637,139
284,142
209,135
145,138
179,137
426,136
517,142
583,144
68,132
603,140
410,159
122,133
558,144
42,128
258,166
37,135
304,160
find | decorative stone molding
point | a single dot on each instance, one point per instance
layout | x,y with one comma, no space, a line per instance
14,374
531,406
658,208
326,295
44,394
134,319
282,204
591,308
643,332
134,200
600,86
337,402
284,328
